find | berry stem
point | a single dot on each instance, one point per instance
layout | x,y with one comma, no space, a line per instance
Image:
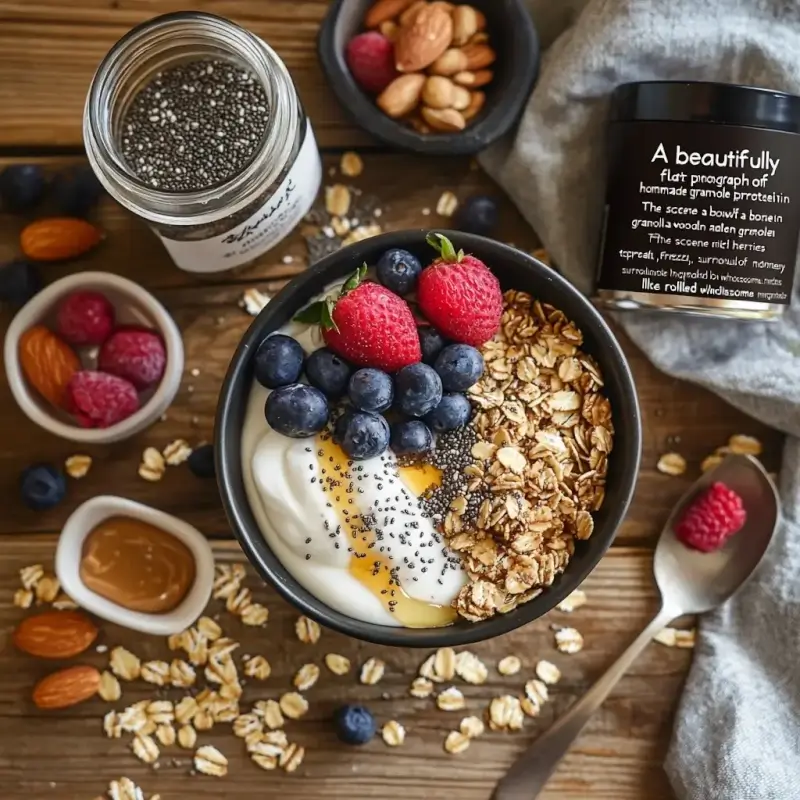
444,247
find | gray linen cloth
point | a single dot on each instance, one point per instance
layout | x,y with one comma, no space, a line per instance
737,732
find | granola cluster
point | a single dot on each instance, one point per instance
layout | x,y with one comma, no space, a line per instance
539,463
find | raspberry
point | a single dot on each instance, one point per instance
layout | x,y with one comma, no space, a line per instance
85,318
136,354
711,519
370,57
100,400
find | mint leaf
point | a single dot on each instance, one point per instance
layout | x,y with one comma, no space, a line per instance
312,314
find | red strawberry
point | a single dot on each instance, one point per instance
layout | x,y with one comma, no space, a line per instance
459,295
367,325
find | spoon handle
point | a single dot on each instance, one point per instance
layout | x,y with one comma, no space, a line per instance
530,772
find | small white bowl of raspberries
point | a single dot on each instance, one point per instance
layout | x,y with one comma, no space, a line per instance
93,358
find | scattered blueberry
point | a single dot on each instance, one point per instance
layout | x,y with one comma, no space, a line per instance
22,187
42,486
362,435
411,437
354,724
398,271
431,342
459,366
418,390
370,390
298,411
328,372
77,191
453,412
478,215
19,281
279,361
201,461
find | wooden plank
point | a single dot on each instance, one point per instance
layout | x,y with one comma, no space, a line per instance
51,50
212,324
619,757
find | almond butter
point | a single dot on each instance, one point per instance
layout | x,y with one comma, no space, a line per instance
67,687
477,101
401,96
461,98
478,56
384,10
421,42
474,80
58,238
465,24
410,14
438,92
444,119
450,62
55,634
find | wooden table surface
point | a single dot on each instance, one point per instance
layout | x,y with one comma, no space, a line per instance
48,51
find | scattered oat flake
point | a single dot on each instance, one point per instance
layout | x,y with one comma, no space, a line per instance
470,668
421,688
145,748
671,464
30,576
472,727
307,630
306,677
372,671
293,705
47,589
156,672
456,742
255,615
292,757
505,713
78,466
744,445
711,462
510,665
338,665
109,689
393,733
451,699
444,663
124,664
257,667
569,640
23,598
427,669
187,737
177,452
351,164
337,200
270,710
210,761
548,672
124,789
245,724
362,232
675,637
253,301
573,601
165,734
447,204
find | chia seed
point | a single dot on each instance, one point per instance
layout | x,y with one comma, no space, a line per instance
195,125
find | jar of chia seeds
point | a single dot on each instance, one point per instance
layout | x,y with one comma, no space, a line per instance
702,206
194,125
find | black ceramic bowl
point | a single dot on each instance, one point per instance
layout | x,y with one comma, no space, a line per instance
515,269
513,37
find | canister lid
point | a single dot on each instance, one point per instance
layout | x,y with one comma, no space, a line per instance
700,101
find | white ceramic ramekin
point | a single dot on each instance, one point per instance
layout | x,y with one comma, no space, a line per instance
134,306
68,558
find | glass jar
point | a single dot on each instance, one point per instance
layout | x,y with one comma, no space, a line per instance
229,224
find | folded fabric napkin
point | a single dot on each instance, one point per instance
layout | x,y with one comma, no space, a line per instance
737,733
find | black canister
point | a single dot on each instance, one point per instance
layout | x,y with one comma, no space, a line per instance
702,199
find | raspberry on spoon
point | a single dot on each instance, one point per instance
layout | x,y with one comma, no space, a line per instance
711,519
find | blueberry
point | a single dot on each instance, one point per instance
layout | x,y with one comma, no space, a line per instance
431,342
362,435
201,461
459,366
329,373
19,281
22,187
279,361
418,389
298,411
411,437
477,214
77,191
453,412
42,486
354,724
370,390
398,271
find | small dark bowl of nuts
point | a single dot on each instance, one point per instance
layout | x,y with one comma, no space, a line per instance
440,78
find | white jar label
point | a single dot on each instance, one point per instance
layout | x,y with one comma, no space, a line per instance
270,224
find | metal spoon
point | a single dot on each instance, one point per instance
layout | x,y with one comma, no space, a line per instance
690,582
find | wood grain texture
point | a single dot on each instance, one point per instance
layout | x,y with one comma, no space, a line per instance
618,758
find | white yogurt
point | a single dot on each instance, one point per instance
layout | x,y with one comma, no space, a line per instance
294,500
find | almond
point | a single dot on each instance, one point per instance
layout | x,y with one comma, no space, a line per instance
58,238
385,10
419,125
444,119
438,92
465,24
478,56
389,29
450,62
55,634
474,80
477,101
67,687
461,98
421,42
401,96
48,363
410,14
